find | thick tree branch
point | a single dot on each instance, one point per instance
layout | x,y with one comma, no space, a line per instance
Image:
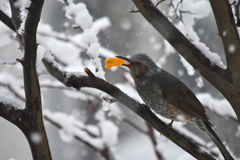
31,117
228,32
94,82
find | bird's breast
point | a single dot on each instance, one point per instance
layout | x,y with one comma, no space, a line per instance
152,97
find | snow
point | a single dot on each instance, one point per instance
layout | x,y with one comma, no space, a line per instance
197,10
89,37
125,24
48,57
16,84
77,74
114,110
65,51
224,33
213,57
94,54
231,48
152,39
5,7
220,106
73,127
157,46
199,81
109,138
93,130
22,5
86,41
194,10
189,68
65,136
100,24
8,100
81,15
36,137
40,53
180,72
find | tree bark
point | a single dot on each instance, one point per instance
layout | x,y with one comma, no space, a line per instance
29,120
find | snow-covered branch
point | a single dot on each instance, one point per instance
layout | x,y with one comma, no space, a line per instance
89,135
10,109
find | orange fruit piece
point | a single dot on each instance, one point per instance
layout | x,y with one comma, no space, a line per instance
111,62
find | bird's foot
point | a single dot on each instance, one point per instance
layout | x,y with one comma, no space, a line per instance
165,129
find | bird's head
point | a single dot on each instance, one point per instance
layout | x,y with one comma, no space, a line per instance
140,65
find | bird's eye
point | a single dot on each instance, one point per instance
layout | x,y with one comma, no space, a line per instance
138,63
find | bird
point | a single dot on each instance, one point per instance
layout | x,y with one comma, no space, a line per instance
169,97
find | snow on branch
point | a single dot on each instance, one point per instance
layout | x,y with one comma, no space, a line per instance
13,84
213,57
71,128
80,14
10,109
23,6
9,101
75,128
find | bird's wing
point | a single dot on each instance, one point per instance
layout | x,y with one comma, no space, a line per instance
177,93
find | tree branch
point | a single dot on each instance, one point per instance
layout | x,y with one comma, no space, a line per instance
228,32
218,77
94,82
179,41
11,114
154,142
31,117
6,20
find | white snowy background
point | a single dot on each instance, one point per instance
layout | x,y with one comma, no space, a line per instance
83,34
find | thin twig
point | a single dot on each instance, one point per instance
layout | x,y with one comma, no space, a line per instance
159,3
153,140
8,63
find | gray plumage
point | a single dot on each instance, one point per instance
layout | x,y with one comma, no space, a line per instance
169,97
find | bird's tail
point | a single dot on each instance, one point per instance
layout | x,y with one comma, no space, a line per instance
206,128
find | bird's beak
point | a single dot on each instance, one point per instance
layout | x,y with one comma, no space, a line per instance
127,61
